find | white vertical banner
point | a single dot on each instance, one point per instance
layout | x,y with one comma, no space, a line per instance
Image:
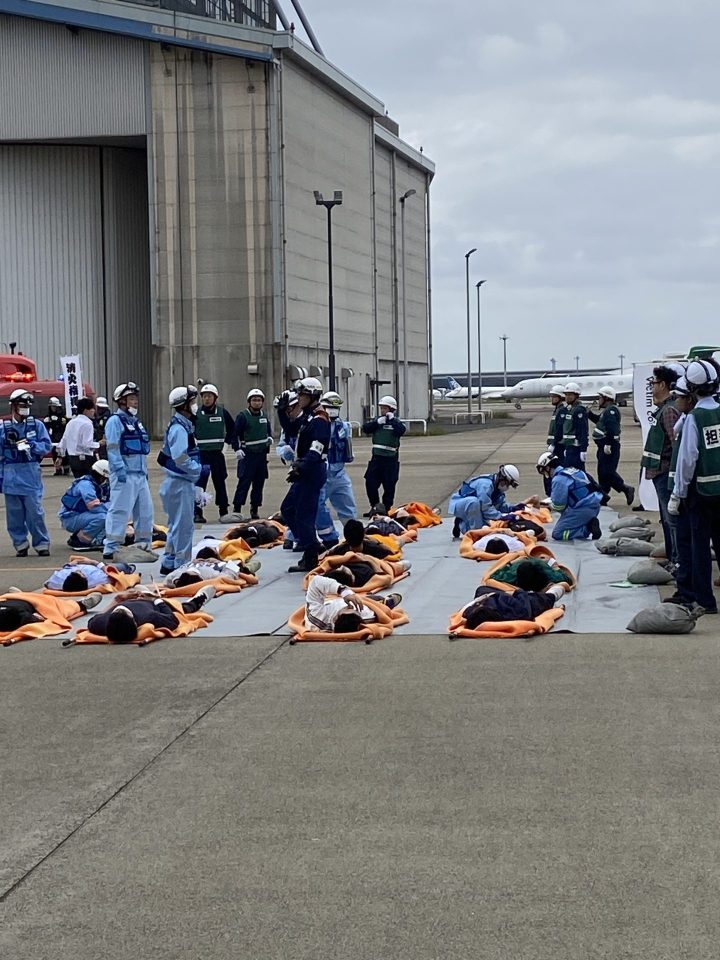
645,410
72,375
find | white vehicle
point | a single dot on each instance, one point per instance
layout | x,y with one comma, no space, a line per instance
456,392
538,388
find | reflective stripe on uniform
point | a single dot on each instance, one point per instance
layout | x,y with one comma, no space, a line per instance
382,446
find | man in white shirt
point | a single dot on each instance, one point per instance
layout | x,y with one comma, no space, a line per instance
331,605
78,441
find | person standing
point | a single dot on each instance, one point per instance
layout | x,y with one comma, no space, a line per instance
78,441
309,469
555,428
383,470
83,508
606,435
574,439
128,446
102,415
214,427
180,458
338,487
254,435
24,442
55,423
657,451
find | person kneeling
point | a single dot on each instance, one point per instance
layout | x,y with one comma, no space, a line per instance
332,607
120,624
575,496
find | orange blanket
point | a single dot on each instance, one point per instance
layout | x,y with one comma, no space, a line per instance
263,546
57,613
537,552
507,629
386,573
187,623
237,550
392,543
426,516
222,585
467,548
118,582
386,622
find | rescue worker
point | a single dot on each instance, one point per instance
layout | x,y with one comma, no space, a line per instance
285,450
338,487
254,436
383,470
657,451
308,472
574,439
102,415
55,423
573,495
180,458
483,498
84,507
696,487
214,427
128,446
555,429
24,442
606,435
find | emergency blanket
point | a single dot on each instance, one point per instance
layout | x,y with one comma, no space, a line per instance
118,582
187,623
467,544
536,514
222,585
281,530
507,629
57,615
392,543
426,516
386,621
538,552
237,550
386,573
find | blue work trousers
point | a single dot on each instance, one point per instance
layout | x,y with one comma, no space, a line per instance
129,501
382,472
252,472
663,491
339,492
571,457
178,500
91,524
608,476
300,506
469,511
573,523
25,519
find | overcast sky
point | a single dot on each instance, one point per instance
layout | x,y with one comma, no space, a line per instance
577,146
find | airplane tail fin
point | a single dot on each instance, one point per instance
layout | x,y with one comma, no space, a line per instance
452,384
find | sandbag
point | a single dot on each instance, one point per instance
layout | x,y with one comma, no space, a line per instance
648,571
659,552
633,533
629,522
663,618
624,547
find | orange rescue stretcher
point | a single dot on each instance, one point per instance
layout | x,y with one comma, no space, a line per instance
386,622
386,573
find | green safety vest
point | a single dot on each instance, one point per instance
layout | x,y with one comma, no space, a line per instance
707,472
559,412
210,429
386,443
568,431
674,454
256,438
655,442
601,431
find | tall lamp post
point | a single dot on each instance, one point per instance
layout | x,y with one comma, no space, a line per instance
504,339
403,198
622,358
467,304
329,204
477,287
577,364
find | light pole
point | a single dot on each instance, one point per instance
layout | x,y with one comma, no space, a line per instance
329,204
553,361
403,198
622,357
467,304
577,364
477,287
504,339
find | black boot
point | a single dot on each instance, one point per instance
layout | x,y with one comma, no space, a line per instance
456,529
308,562
254,515
629,493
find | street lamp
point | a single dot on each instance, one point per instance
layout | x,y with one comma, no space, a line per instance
504,339
467,305
403,198
477,287
577,364
329,204
622,357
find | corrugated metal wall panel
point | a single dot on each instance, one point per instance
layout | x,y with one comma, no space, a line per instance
51,254
57,84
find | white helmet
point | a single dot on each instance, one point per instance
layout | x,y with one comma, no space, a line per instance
607,392
309,385
255,393
101,467
101,402
572,387
510,473
210,388
331,399
546,461
124,390
677,368
701,377
20,396
682,388
179,396
54,401
557,391
388,402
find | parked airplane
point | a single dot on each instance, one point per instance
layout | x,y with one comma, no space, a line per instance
456,392
539,387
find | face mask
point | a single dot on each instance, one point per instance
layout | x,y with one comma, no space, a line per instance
333,413
24,411
132,411
193,409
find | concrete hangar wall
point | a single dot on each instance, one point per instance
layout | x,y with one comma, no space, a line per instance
157,213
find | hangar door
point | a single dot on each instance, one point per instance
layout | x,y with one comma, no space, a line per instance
74,260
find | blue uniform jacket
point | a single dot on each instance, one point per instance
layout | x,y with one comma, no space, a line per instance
340,451
88,496
569,487
180,446
492,499
20,472
118,426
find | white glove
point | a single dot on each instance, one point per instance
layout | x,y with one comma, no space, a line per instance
389,416
23,446
382,420
607,449
551,448
674,505
240,454
583,456
202,497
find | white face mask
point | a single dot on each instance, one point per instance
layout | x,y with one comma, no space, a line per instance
132,411
24,411
193,409
333,412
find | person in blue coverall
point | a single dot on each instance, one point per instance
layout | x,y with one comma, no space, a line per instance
128,446
180,458
338,487
482,499
309,470
84,507
24,442
577,498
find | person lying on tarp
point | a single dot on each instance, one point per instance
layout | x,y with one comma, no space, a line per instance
120,623
498,543
256,534
209,569
492,605
393,526
15,614
331,605
356,542
79,575
532,573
